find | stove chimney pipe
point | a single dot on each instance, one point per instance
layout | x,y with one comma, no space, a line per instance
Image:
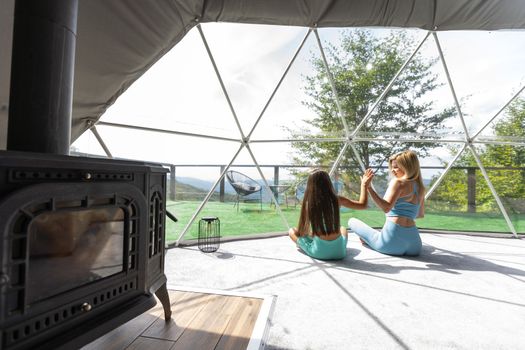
42,69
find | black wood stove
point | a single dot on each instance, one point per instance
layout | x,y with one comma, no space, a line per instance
81,239
82,247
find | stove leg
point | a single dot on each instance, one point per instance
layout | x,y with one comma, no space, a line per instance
162,294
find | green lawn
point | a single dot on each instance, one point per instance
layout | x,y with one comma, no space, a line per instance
250,220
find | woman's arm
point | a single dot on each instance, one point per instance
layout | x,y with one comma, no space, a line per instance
344,231
294,234
362,203
392,194
421,213
358,205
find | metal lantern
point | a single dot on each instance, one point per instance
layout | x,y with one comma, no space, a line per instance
209,234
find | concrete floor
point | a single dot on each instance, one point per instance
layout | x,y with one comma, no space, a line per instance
462,292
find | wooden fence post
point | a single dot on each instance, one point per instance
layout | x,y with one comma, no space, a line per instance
172,182
276,182
221,186
471,189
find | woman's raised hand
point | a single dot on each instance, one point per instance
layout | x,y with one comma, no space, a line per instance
367,177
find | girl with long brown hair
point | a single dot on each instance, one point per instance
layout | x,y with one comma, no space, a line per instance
319,233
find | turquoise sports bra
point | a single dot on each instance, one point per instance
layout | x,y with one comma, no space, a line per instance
404,208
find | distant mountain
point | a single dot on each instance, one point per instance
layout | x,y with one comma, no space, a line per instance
204,185
197,190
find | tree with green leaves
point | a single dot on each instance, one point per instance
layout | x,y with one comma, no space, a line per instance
509,181
362,66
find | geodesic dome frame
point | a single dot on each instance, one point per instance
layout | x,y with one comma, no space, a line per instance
365,15
118,41
351,136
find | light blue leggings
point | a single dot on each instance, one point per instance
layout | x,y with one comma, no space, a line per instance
393,239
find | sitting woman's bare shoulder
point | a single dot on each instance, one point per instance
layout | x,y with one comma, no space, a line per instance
396,183
401,186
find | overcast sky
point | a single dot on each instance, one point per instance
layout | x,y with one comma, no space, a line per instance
181,92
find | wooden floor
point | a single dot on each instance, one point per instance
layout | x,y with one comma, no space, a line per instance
199,321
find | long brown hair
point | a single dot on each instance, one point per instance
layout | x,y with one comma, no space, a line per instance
409,163
320,208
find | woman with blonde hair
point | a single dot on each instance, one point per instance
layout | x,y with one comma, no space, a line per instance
402,203
319,233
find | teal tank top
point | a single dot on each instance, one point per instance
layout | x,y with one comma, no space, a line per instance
322,249
404,208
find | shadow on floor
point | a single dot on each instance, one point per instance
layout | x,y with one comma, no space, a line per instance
436,259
